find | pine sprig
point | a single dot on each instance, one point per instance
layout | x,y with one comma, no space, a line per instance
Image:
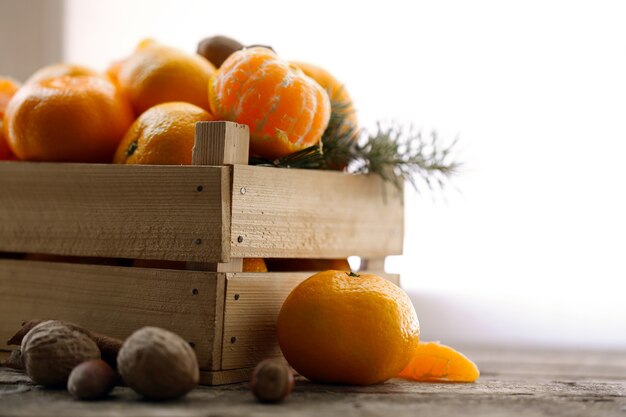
397,155
394,153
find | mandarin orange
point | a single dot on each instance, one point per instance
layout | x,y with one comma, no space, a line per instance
60,70
8,88
162,135
67,119
156,74
303,264
339,97
285,110
249,264
254,265
347,328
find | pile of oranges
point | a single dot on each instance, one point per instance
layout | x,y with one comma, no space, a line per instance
142,109
335,327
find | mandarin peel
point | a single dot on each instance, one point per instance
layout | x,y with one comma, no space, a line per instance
434,362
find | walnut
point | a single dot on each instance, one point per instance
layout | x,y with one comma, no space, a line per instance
51,349
158,364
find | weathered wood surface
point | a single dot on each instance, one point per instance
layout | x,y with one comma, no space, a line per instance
116,301
573,384
296,213
176,213
221,143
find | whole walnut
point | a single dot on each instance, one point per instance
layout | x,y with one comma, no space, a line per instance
158,364
51,349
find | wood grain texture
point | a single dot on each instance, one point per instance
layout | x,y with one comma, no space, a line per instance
290,213
554,392
141,212
230,376
221,143
253,301
114,300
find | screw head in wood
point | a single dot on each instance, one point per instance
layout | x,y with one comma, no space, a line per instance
242,190
233,339
198,241
240,239
236,296
199,188
194,291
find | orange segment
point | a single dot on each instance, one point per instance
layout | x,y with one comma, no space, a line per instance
434,362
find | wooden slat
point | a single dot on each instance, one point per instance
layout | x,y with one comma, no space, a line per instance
253,301
115,301
221,143
284,213
230,376
144,212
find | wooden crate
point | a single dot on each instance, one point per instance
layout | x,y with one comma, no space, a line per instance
208,217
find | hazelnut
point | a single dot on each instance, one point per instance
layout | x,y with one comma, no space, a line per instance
51,349
217,48
158,364
272,381
91,380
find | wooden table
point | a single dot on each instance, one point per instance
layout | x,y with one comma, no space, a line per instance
513,383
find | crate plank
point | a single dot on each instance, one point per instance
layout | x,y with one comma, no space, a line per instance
230,376
285,213
253,301
143,212
115,301
221,143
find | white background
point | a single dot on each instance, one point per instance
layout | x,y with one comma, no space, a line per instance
530,250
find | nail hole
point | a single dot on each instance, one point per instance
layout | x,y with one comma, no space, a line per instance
194,291
240,239
233,339
198,241
192,344
199,188
236,296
